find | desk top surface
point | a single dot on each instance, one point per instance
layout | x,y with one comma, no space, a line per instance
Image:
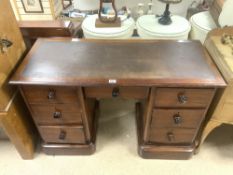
132,62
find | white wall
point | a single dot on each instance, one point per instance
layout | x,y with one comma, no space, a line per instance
158,6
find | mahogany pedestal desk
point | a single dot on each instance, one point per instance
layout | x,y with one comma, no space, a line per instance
174,82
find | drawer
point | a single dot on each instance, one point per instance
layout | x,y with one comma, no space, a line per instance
182,118
9,30
53,114
111,92
172,135
62,134
45,94
44,32
179,97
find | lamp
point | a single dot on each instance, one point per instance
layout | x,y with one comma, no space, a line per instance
166,18
106,21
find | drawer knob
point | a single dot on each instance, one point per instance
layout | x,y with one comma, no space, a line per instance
115,92
170,136
51,94
4,45
177,119
62,135
182,98
57,115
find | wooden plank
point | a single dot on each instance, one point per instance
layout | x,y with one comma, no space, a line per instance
9,30
17,124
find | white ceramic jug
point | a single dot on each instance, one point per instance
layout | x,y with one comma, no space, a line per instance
226,16
201,23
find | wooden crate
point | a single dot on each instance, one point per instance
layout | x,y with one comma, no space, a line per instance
221,109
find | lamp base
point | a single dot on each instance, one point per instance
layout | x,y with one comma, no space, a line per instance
166,17
100,24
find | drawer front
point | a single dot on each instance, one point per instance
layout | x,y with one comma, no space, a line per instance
9,31
180,118
172,135
45,32
112,92
62,134
45,94
179,97
53,114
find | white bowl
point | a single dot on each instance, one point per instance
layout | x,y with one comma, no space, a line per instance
201,23
124,32
148,27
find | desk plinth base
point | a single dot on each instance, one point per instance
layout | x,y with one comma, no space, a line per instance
165,152
153,151
68,149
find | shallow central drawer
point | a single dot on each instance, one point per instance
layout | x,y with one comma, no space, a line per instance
172,135
181,97
182,118
62,134
50,94
114,92
53,114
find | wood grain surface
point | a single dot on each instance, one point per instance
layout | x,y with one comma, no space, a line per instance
8,60
180,135
168,97
51,134
165,118
137,63
67,114
17,124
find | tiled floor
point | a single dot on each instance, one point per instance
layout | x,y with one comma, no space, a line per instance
117,152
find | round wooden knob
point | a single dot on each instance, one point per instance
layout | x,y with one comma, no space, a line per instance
115,92
170,136
177,119
182,98
57,115
62,135
51,94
